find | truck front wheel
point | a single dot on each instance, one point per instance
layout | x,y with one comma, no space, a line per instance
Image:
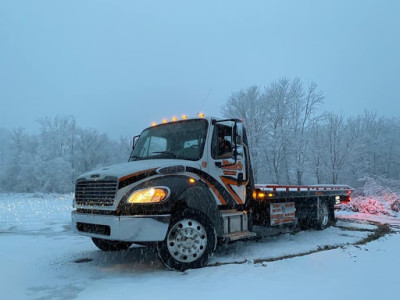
107,245
190,242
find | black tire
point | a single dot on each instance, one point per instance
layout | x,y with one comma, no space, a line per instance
190,242
324,216
304,224
108,245
323,219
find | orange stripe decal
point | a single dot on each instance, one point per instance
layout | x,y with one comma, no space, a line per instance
221,199
228,182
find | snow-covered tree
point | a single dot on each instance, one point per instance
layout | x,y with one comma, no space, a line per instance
248,105
51,161
277,120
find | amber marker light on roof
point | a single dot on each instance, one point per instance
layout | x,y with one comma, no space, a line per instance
184,117
165,121
174,119
153,124
201,115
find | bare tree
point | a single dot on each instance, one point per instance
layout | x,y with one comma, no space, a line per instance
291,111
91,147
339,145
277,120
248,105
303,113
316,151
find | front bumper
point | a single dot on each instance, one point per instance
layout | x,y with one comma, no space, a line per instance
121,228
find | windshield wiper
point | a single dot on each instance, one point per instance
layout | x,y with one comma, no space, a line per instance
135,157
173,155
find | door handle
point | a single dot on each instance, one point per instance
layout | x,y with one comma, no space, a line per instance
240,179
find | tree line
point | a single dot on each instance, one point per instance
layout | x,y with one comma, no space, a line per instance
292,141
51,160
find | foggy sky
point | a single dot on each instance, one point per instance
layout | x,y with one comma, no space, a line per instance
119,65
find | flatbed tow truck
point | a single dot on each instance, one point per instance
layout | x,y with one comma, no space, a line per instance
187,187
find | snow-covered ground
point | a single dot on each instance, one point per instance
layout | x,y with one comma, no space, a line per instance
41,259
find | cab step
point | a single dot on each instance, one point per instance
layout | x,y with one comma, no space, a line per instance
235,225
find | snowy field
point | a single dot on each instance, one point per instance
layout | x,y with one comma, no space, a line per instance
41,259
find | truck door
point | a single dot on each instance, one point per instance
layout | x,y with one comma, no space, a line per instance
224,166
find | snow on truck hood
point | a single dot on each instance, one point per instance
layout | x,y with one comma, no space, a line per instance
125,169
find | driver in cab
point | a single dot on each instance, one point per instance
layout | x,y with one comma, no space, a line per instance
224,147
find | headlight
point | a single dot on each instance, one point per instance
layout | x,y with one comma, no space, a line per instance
149,195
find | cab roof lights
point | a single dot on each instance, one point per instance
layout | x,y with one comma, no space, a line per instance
174,119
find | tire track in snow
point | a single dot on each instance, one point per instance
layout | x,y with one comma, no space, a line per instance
379,232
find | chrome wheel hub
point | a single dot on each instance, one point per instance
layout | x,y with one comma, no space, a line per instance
187,240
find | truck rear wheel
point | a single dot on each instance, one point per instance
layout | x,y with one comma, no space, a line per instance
322,220
108,245
324,216
190,242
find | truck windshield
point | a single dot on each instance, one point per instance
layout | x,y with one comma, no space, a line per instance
177,140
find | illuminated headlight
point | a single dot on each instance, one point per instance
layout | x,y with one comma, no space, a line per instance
149,195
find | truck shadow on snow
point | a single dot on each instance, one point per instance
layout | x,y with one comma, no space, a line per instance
134,259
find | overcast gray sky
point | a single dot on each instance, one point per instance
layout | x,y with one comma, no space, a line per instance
119,65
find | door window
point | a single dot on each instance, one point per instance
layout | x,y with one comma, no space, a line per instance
222,142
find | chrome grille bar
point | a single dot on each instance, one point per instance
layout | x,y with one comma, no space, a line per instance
96,192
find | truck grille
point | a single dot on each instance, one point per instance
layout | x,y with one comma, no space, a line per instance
95,193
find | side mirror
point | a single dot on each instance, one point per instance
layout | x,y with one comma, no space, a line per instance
238,152
239,140
238,133
134,141
235,133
